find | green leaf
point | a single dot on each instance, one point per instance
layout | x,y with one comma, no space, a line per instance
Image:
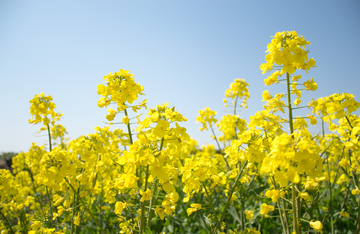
167,222
207,220
259,190
148,231
231,211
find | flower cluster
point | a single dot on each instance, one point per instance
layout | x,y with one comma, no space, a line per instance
238,90
43,110
120,88
287,49
268,172
206,117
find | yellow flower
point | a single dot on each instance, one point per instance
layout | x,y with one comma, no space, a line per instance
249,214
228,124
297,101
111,114
355,191
312,118
105,208
274,194
344,214
233,197
60,210
305,195
120,88
265,209
145,195
194,208
190,211
287,49
310,85
197,206
296,78
206,116
238,89
311,63
42,107
58,200
159,211
119,207
266,96
77,220
317,226
125,120
252,231
281,178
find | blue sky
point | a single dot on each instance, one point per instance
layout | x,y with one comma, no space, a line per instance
184,52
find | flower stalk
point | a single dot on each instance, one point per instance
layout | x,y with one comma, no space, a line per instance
229,198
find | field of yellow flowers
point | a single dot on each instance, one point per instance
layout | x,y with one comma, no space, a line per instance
270,174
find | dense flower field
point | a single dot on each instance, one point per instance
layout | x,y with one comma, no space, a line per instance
270,174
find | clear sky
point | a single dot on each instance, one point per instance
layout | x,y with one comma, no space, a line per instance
184,52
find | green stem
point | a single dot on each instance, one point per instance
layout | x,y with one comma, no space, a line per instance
33,183
236,100
48,128
153,199
347,119
227,164
51,211
73,214
286,216
284,220
47,191
259,227
229,197
77,211
237,97
243,220
211,202
358,221
289,104
330,209
295,223
351,170
7,222
129,129
86,208
355,183
300,107
100,205
294,193
161,144
22,222
131,142
142,219
281,218
330,195
217,142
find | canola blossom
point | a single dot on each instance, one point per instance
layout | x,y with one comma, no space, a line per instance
267,173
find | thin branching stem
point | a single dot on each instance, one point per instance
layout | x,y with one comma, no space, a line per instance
153,198
142,218
7,222
227,164
86,208
229,197
210,201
